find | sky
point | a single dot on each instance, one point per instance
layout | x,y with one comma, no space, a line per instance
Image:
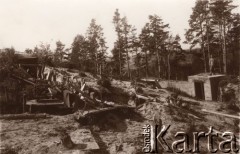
27,23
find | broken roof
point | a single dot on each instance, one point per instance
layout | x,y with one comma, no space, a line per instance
26,59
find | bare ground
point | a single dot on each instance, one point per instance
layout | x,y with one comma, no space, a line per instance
42,135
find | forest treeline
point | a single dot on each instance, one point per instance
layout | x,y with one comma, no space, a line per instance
214,31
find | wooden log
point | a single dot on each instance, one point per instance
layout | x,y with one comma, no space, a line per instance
92,102
142,97
145,98
93,112
94,116
22,116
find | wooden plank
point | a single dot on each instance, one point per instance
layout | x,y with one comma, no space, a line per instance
147,80
72,152
45,104
222,114
22,116
35,103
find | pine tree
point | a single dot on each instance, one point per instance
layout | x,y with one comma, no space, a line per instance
59,53
146,45
233,36
222,18
126,41
199,28
172,45
97,45
79,55
135,48
118,51
154,35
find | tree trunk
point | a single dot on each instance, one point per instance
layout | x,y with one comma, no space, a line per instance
204,58
6,95
146,58
126,48
203,50
96,64
219,52
128,64
158,63
100,70
120,65
119,55
239,75
224,50
208,46
158,57
238,62
169,67
207,31
137,64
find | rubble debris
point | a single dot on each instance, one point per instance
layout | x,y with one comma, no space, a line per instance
229,89
173,99
149,109
79,91
7,150
132,100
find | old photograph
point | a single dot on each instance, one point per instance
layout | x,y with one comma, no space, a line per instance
119,76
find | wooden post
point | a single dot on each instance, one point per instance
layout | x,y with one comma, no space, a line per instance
6,95
30,108
24,102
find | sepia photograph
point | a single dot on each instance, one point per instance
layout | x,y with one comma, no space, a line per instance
119,76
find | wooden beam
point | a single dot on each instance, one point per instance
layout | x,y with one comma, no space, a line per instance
222,114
